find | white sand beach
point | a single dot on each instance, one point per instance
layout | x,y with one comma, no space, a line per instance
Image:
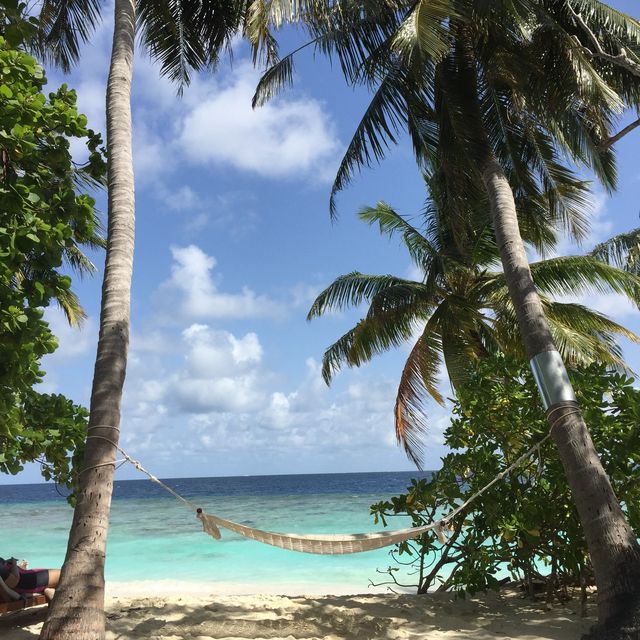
189,615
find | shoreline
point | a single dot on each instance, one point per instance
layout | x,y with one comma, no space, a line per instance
137,611
168,588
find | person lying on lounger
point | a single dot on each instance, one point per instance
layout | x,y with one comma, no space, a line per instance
16,581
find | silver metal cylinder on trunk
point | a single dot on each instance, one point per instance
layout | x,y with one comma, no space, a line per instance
551,377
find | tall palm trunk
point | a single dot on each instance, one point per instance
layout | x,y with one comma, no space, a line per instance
77,611
613,547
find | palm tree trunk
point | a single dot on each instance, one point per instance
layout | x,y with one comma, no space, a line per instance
77,611
613,547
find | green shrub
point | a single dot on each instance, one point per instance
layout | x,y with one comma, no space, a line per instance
44,220
525,526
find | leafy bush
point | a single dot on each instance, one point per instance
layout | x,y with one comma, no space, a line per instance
525,524
43,221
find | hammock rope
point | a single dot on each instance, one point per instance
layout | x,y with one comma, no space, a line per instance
326,544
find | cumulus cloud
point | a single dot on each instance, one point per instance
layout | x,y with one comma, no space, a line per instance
291,137
217,394
219,372
192,292
287,137
223,398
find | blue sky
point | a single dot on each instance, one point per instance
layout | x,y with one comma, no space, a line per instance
234,241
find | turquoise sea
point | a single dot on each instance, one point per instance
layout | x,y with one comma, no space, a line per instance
153,536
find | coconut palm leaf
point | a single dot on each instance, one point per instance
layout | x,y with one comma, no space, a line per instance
187,35
64,26
584,336
418,383
581,318
371,336
336,355
620,26
390,223
622,251
379,332
583,275
183,36
379,128
573,275
424,31
69,304
355,288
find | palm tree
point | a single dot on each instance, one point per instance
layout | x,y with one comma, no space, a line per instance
463,312
183,38
510,86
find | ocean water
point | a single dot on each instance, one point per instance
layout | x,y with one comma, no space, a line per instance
153,536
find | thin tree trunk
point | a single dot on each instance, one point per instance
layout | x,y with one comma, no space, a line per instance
613,547
77,611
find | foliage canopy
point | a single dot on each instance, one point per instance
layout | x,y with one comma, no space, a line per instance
44,220
526,524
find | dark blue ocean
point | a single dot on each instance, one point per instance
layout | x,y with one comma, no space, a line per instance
154,537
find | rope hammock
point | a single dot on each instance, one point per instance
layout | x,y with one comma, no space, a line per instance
319,543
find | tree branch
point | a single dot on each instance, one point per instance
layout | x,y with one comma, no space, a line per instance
622,59
607,144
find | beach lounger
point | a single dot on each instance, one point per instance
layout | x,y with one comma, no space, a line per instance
12,601
17,605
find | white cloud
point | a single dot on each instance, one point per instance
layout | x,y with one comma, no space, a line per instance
219,372
285,138
183,199
216,353
192,292
221,397
214,123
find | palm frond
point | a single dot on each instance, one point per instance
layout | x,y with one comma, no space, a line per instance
424,31
78,261
71,307
583,274
622,251
379,128
574,275
64,26
379,332
418,382
373,335
336,355
422,252
352,289
275,78
598,14
583,335
187,35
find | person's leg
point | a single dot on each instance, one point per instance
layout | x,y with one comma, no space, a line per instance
54,577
